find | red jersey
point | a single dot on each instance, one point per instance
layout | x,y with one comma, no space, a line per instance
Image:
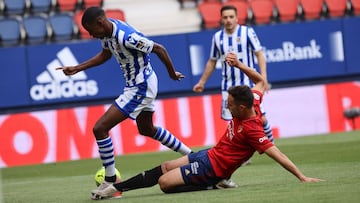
241,139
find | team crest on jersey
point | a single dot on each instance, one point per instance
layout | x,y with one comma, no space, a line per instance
238,40
140,44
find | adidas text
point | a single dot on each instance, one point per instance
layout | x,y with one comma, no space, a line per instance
67,89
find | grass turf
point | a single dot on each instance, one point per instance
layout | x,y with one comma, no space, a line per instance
333,157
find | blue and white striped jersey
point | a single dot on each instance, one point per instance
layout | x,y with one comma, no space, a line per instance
244,42
131,50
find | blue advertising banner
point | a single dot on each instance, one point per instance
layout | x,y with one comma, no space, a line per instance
352,43
199,45
303,50
294,52
48,85
13,77
177,46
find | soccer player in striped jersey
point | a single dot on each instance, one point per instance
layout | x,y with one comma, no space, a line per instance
202,170
242,41
132,51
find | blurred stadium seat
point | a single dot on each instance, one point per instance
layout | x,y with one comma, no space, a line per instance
15,7
262,11
115,13
242,7
210,14
67,5
312,9
83,34
89,3
40,6
287,9
36,29
62,26
336,8
355,4
10,31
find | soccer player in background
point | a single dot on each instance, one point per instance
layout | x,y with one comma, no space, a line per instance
242,41
131,50
202,170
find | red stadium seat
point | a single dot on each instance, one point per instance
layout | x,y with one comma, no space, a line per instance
77,19
67,5
355,6
336,8
312,8
242,7
287,9
262,10
89,3
210,13
115,13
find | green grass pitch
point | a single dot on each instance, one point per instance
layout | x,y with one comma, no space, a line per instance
333,157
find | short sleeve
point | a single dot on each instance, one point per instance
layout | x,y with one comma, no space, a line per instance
138,42
254,40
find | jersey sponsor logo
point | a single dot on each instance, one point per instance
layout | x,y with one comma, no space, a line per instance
194,167
230,132
290,52
54,84
261,140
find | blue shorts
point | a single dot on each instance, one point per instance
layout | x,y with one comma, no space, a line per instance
199,170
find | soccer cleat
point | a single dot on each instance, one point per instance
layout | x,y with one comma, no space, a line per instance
107,191
226,183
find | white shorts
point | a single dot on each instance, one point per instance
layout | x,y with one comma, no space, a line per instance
138,98
225,112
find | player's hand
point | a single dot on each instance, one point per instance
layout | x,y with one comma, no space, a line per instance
178,76
198,87
68,70
231,59
267,86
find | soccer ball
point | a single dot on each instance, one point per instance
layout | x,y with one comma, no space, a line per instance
100,175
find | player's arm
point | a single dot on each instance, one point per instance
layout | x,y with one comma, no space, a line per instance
98,59
286,163
163,55
254,76
262,66
209,69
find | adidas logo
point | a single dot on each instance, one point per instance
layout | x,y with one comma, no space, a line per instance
54,84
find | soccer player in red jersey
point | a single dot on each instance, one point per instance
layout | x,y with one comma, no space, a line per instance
204,169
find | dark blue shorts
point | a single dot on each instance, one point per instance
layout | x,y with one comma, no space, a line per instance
199,171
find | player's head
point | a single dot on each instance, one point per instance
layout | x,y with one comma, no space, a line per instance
96,23
240,100
229,17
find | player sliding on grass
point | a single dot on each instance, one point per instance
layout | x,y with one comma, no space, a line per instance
201,170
